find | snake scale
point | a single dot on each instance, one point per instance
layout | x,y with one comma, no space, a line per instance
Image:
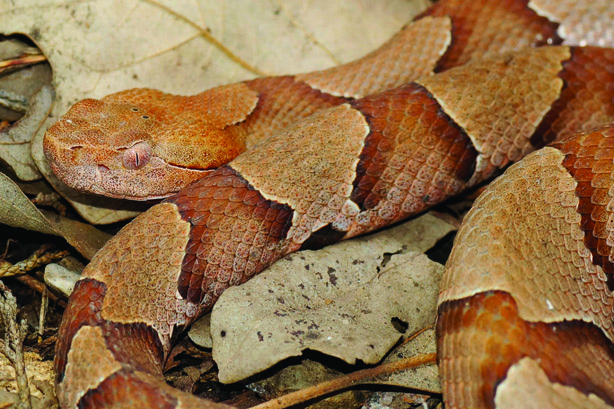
465,89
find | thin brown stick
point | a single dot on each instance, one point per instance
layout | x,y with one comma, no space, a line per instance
415,335
22,60
43,314
37,286
6,249
50,199
40,258
343,382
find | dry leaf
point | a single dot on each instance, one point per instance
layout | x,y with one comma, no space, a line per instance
308,373
424,378
16,209
37,369
340,300
200,332
15,139
61,279
28,91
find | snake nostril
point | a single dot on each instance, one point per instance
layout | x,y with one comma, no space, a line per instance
102,168
76,147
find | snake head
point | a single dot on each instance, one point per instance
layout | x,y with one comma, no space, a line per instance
139,144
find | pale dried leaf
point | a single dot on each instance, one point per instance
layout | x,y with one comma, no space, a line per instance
424,378
60,278
200,332
37,369
16,209
292,378
15,140
340,300
18,87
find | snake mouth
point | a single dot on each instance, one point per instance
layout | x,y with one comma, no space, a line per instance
148,183
190,168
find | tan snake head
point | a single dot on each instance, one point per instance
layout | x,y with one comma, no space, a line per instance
140,144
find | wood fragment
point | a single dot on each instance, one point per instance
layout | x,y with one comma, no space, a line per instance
43,313
40,258
51,199
37,286
352,379
22,61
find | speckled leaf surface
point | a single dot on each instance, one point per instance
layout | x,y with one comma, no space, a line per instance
424,378
341,300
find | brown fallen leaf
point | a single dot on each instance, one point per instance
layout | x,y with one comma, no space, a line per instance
341,300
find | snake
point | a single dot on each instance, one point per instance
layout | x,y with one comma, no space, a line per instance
256,170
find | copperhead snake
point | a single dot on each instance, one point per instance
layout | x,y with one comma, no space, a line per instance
526,302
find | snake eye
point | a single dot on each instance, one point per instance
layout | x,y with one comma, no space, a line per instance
136,156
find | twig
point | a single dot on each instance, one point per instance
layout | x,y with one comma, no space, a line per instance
343,382
415,335
37,286
13,343
51,199
21,61
43,313
36,260
6,249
